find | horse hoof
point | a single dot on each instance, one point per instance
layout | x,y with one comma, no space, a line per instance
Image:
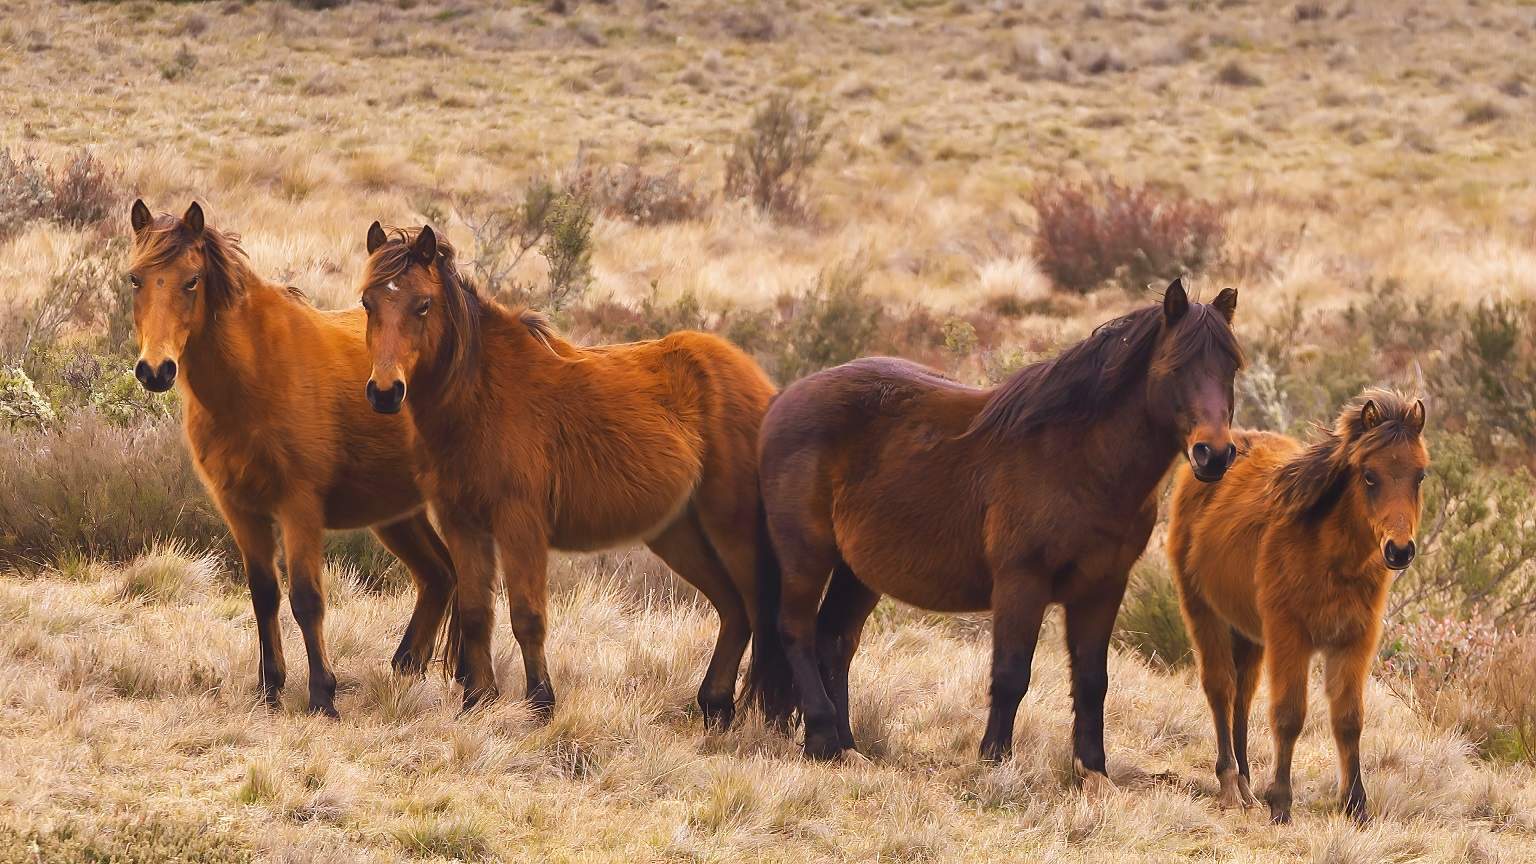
408,665
1279,815
325,710
475,698
1246,793
822,748
718,718
1096,785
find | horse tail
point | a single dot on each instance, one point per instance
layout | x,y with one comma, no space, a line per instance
447,641
770,683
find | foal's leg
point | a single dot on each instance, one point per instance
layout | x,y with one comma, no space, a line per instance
258,551
1286,655
683,546
838,627
524,563
1090,625
473,551
303,534
1218,674
1247,656
414,541
1346,670
1018,606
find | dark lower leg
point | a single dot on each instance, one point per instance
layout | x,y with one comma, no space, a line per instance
474,604
258,551
302,543
1018,606
1345,679
839,626
1090,624
801,596
415,543
1246,656
1288,690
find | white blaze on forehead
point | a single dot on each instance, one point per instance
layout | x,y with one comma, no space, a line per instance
392,286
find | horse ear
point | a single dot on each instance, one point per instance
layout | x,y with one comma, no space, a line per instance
376,237
1370,414
194,219
1415,418
139,217
1175,301
1226,303
425,247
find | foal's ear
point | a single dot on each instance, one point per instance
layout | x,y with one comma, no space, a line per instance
424,249
1175,301
139,217
1415,418
194,219
1226,303
1370,414
376,237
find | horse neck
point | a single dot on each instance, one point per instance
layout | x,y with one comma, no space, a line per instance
1125,447
222,360
445,411
1351,547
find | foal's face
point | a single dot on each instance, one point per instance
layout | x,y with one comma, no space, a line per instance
1390,478
404,321
168,296
1195,387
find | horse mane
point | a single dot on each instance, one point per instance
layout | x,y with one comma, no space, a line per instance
226,268
1077,383
1308,486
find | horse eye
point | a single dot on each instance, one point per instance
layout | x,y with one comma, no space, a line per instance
421,311
191,284
1370,478
135,281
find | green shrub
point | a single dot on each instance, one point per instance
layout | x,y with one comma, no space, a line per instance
770,163
1150,622
832,322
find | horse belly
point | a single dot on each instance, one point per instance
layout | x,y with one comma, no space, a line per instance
601,522
918,573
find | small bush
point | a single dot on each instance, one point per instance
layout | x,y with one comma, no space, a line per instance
1150,622
557,221
464,837
1489,371
83,193
770,163
831,323
568,250
25,189
166,573
632,193
1234,74
1090,233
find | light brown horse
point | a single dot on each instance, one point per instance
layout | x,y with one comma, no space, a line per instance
883,477
268,388
1290,556
526,443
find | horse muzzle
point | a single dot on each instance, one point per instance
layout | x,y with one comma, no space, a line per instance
386,401
1398,557
156,379
1210,463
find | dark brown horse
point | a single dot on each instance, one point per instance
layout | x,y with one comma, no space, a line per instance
526,442
268,390
1290,557
883,477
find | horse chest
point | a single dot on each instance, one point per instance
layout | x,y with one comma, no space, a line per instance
240,465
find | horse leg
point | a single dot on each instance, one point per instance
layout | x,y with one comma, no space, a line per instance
1218,677
1285,662
1247,656
685,548
808,559
524,564
838,627
258,552
1345,673
473,551
416,544
1090,625
1018,606
303,532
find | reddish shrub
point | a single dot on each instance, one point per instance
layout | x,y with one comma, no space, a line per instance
1090,233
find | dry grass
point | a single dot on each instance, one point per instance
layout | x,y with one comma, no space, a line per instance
113,709
1349,144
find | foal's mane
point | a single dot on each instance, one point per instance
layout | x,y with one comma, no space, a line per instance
1308,486
226,269
1080,381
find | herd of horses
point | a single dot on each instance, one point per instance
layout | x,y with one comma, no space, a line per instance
791,511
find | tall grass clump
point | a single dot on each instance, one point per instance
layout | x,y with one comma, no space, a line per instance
1150,622
1102,231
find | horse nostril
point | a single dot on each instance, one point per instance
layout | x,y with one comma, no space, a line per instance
142,372
397,390
1398,557
372,391
1200,454
167,371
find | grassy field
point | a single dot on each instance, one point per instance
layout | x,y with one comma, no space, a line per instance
1371,166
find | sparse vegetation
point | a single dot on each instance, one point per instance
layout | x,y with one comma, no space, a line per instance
770,163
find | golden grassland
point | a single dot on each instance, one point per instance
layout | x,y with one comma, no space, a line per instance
1356,144
127,708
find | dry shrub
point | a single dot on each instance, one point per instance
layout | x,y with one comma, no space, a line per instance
81,193
832,322
1470,676
1090,233
1234,74
770,163
1150,622
630,192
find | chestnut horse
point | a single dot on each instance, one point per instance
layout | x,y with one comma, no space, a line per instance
526,443
883,477
268,391
1290,556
